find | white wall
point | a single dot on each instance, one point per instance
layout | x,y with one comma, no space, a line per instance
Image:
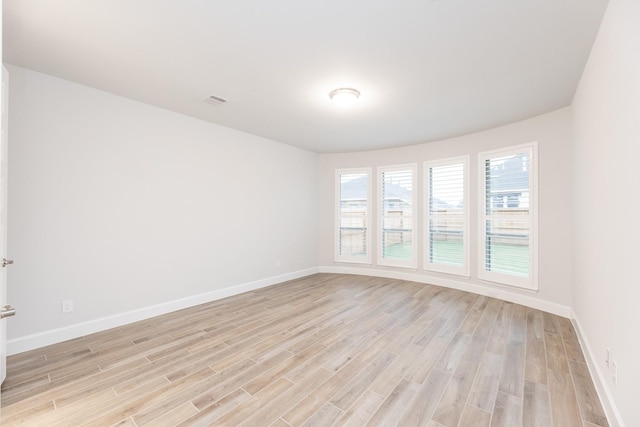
122,206
553,133
606,111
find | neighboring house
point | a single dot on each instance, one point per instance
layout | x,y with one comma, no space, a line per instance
354,193
509,182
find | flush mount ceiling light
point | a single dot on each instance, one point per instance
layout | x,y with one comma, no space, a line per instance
344,97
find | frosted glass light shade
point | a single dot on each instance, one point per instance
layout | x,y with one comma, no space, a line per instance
344,97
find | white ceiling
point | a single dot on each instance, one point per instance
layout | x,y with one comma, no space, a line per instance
427,69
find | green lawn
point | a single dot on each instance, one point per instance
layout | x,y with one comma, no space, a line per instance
509,259
447,252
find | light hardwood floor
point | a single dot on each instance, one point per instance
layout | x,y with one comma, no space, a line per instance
319,351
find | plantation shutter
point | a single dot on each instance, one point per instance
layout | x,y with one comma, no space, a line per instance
446,216
397,239
352,240
508,216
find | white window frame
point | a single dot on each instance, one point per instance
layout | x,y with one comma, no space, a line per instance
463,270
348,258
531,282
388,262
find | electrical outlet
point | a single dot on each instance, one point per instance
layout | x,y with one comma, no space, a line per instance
614,367
67,306
608,360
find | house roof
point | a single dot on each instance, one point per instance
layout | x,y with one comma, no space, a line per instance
356,189
509,176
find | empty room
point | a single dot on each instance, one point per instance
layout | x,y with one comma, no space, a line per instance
287,213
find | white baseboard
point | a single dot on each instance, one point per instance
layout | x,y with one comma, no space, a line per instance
606,398
460,284
30,342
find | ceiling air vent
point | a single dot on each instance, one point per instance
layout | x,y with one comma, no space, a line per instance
214,100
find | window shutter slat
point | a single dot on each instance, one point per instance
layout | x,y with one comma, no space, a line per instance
397,228
507,254
353,195
446,216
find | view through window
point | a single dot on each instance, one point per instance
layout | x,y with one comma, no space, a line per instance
508,216
446,216
353,216
397,198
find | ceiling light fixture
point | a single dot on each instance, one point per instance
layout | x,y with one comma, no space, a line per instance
344,97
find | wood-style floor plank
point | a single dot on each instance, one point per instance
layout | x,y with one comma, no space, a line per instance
324,350
536,411
590,408
474,417
361,411
564,405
